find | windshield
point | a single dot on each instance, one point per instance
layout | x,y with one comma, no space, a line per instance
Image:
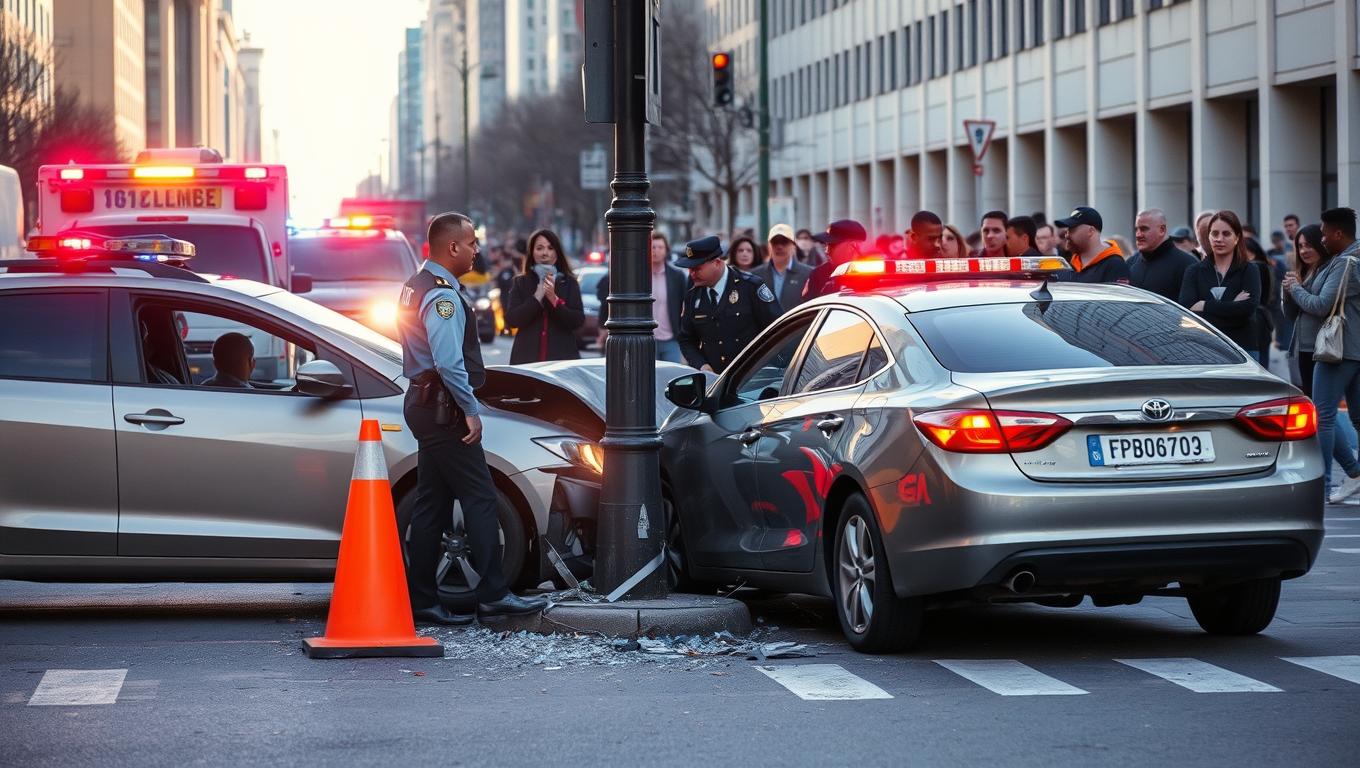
354,331
222,249
332,259
1069,334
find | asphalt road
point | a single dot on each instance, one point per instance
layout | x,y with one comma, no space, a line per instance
213,674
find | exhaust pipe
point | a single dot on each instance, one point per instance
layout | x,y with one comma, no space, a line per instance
1020,582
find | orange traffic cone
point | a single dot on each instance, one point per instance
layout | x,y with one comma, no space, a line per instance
370,608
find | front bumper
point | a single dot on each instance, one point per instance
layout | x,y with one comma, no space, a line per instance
968,522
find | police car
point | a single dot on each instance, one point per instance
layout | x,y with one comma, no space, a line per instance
948,430
119,464
356,266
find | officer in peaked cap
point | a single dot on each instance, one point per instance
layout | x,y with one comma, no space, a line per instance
723,311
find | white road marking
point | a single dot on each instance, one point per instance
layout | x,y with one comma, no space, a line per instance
1008,677
1199,676
823,682
1342,520
1343,535
1345,667
67,687
1346,551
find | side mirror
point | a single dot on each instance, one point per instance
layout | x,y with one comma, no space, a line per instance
689,391
321,378
302,283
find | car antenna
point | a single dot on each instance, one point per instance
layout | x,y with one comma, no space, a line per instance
1042,296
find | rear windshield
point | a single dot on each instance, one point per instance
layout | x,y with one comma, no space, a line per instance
332,259
1069,334
222,249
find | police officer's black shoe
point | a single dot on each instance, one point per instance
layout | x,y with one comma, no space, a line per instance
511,605
438,614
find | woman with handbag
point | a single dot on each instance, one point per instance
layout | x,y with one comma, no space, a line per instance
1329,303
1226,288
545,306
1311,259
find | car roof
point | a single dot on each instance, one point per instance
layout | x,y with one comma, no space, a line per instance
945,294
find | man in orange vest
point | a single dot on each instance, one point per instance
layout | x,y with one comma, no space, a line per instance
1094,260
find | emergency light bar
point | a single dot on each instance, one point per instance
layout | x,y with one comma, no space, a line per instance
81,245
982,267
361,221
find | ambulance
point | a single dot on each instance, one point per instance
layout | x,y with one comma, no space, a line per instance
235,214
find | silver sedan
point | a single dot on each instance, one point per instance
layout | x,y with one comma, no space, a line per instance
995,440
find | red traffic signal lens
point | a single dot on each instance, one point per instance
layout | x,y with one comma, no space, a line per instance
721,60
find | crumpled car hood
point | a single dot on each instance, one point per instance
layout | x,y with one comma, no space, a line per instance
569,393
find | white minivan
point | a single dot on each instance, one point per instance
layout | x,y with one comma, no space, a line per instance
11,215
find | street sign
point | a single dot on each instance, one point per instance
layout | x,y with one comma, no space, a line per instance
594,168
979,137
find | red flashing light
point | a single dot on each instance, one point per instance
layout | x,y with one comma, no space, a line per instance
1289,418
257,173
985,431
77,200
595,257
72,174
277,249
721,61
252,197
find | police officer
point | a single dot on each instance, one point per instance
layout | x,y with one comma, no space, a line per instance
723,310
443,361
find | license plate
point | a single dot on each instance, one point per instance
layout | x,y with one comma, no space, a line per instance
1166,448
163,199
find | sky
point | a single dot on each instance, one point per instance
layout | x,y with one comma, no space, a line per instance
326,85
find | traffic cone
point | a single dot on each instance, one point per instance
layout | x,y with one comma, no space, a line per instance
370,611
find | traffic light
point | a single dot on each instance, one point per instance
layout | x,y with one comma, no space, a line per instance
722,78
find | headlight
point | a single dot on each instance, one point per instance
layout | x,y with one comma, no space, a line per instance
483,305
383,314
578,452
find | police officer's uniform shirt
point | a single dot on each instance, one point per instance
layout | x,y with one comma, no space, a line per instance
718,287
444,314
715,326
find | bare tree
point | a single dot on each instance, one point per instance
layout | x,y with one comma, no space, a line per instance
694,134
39,124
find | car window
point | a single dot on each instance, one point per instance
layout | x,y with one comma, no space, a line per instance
762,373
50,335
232,251
188,346
834,357
874,359
1069,334
334,259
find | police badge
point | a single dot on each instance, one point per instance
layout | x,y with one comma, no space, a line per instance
444,307
764,294
733,297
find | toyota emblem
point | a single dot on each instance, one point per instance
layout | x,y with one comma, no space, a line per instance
1157,410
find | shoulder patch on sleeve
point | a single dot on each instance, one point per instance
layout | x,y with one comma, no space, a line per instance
444,307
764,293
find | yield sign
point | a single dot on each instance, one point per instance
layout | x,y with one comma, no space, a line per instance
979,136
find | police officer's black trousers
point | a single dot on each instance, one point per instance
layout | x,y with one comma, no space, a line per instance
449,470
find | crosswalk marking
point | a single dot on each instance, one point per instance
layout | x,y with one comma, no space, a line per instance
1199,676
1009,677
1345,550
1345,667
68,687
1343,535
823,682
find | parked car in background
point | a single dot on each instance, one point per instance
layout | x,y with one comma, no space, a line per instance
590,279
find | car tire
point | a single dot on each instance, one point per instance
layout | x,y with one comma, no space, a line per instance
678,577
872,617
454,591
486,337
1237,609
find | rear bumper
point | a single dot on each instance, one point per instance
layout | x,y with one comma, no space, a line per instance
1141,566
969,522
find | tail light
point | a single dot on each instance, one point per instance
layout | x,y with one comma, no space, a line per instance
986,431
1289,418
252,197
77,200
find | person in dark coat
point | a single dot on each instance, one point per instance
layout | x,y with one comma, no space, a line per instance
723,311
1225,288
1158,266
545,305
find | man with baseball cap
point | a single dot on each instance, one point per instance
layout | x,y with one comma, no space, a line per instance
724,310
783,274
842,239
1093,260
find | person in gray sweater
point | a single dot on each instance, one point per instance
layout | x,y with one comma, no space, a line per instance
1311,258
1332,381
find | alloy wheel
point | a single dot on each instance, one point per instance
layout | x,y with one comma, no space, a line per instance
855,575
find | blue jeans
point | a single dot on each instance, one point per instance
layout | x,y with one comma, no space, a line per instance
1331,382
669,351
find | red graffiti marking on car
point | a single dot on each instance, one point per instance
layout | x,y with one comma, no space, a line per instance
912,490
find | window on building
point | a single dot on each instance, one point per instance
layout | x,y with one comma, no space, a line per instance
1003,28
845,77
972,33
892,60
920,50
934,46
959,56
1103,12
944,41
880,48
1037,20
1078,17
1059,19
987,36
1021,41
1125,9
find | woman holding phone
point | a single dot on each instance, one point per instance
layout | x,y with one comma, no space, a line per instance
545,304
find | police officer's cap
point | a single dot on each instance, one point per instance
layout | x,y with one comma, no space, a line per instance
700,251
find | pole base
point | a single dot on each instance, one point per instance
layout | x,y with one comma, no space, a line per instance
419,647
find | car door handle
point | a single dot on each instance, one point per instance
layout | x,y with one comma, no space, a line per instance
830,424
155,417
748,437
